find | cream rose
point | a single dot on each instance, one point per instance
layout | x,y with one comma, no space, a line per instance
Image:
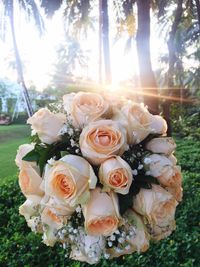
157,124
89,249
163,169
140,241
164,145
101,213
116,174
102,139
28,209
84,107
69,180
137,120
21,152
47,125
156,164
30,181
158,207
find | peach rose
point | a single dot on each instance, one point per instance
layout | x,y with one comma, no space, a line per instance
69,180
21,152
158,208
47,125
84,107
56,215
116,174
101,139
164,145
30,181
137,120
176,191
101,213
170,177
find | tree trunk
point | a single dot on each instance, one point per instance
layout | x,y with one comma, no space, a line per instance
198,11
100,41
172,61
105,38
147,78
18,62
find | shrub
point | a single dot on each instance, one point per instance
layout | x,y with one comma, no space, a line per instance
186,121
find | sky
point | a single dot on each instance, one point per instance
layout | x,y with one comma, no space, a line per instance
39,54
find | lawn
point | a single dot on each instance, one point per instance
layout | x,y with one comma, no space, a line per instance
11,136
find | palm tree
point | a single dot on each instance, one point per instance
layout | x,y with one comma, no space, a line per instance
147,78
105,39
30,8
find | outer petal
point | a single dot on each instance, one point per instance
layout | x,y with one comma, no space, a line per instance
21,152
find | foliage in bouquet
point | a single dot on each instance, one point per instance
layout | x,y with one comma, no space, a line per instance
100,178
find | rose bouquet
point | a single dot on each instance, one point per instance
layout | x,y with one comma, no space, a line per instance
100,177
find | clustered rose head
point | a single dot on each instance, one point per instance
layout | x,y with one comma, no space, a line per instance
94,181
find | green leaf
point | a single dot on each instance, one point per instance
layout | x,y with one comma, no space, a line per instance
33,155
35,139
126,201
146,179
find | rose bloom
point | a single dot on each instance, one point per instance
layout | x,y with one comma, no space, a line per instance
170,177
55,216
176,191
21,152
137,120
47,125
164,145
101,213
28,209
116,174
138,241
89,250
156,164
101,139
30,181
158,208
69,180
163,169
84,107
157,124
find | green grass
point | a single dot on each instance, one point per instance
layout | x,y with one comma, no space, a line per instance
11,137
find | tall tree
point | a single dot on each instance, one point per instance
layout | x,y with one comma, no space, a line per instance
31,9
146,75
172,60
105,39
147,78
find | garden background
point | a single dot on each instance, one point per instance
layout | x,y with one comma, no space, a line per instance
170,86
